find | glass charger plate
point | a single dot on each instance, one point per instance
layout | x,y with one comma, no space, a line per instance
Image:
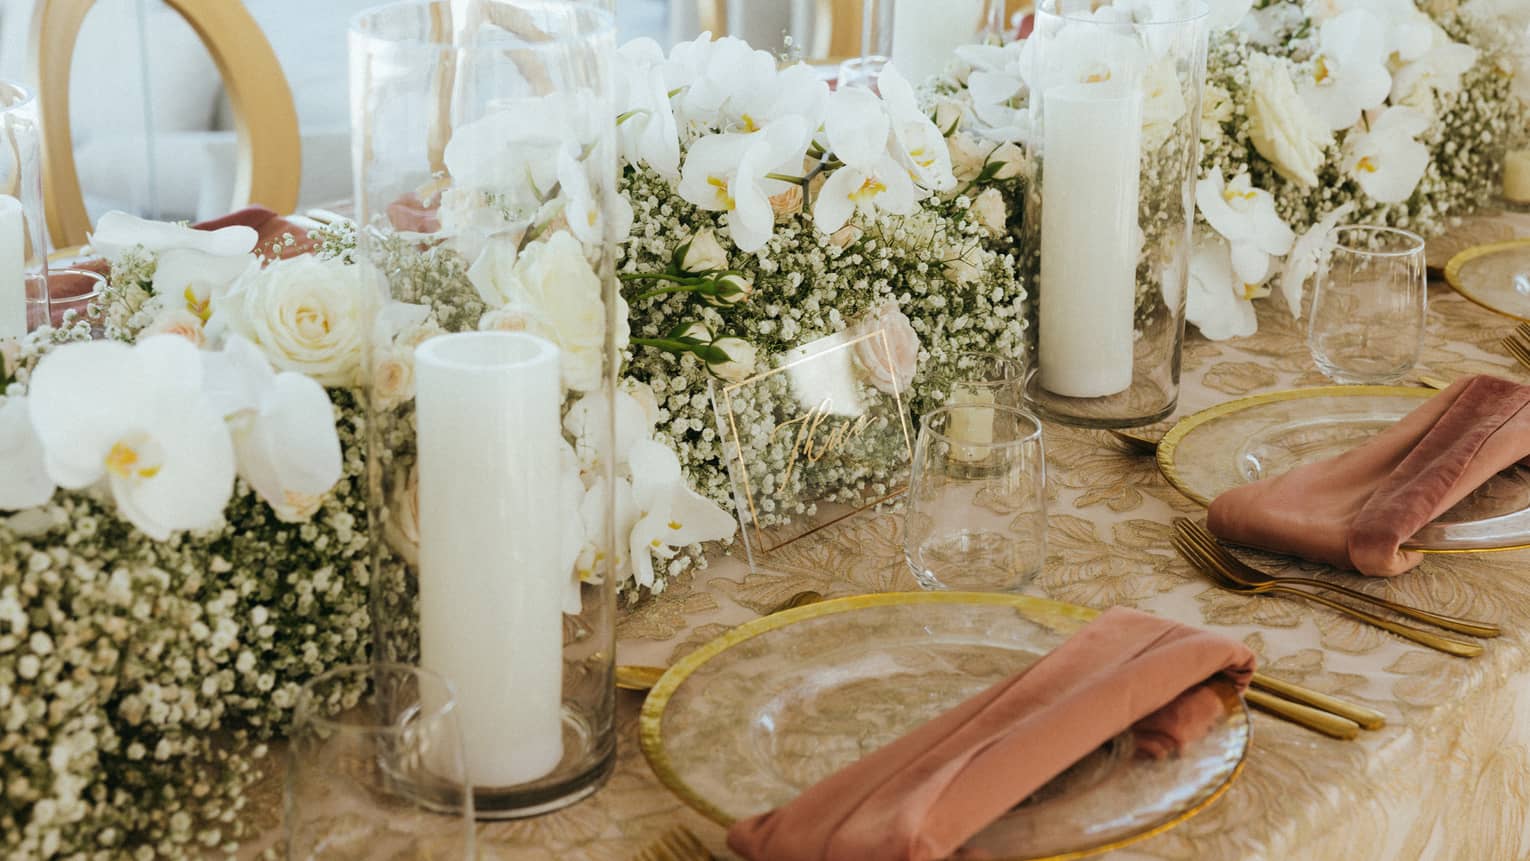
746,722
1495,276
1265,435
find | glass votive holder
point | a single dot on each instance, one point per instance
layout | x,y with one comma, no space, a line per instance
1369,305
986,379
73,289
976,517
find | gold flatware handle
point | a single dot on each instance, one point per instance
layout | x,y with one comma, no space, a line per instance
1365,718
1424,638
1431,381
635,677
1470,627
1311,718
1135,443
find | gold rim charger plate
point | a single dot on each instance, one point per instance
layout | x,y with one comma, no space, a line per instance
1265,435
1495,276
748,721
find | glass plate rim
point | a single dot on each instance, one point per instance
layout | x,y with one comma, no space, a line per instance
1168,447
1455,264
650,719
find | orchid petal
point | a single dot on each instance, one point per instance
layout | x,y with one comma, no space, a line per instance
118,232
24,480
191,486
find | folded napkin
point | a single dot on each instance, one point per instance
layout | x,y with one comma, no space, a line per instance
270,227
1357,509
925,794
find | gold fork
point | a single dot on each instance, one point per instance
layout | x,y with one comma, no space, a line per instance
1209,565
1517,343
676,844
1259,581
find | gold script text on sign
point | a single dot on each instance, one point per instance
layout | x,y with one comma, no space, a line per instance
817,434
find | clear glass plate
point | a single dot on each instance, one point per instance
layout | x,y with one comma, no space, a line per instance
1265,435
1495,276
745,723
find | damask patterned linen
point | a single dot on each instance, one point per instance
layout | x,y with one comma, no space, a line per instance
1447,778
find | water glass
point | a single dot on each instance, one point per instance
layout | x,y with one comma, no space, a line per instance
1368,309
375,768
976,514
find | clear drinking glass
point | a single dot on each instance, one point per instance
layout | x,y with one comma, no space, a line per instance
375,768
976,517
23,240
1368,307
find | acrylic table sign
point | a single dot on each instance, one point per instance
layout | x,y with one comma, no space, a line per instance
820,437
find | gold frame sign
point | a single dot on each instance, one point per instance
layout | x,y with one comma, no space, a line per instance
815,440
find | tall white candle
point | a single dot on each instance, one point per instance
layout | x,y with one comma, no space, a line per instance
926,34
491,588
971,428
13,269
1091,173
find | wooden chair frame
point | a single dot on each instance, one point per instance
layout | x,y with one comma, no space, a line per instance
270,150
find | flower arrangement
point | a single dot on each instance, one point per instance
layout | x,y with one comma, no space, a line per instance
189,541
1377,112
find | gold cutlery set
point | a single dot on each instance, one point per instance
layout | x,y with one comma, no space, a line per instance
676,844
1517,343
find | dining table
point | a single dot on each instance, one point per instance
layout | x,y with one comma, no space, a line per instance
1447,777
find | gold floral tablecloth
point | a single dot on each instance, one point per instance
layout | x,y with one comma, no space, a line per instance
1448,777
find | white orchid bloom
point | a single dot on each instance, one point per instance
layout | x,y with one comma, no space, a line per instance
728,173
714,76
920,146
136,417
884,186
1227,14
1386,160
857,127
1218,303
997,86
587,422
192,267
283,427
582,209
577,533
1349,72
646,123
1437,70
24,481
1307,255
670,515
511,152
1406,30
1245,216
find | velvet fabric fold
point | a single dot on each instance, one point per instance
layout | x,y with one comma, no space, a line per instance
1358,509
921,797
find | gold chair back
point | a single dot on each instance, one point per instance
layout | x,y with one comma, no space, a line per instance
270,151
837,27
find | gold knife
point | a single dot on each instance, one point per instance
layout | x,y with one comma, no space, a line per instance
1311,718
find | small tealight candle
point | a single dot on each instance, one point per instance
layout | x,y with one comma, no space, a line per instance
971,430
1516,176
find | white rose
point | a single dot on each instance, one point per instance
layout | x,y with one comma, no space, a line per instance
553,282
177,321
740,363
307,315
991,211
890,361
968,154
1163,105
1284,130
191,266
506,320
948,115
703,254
392,377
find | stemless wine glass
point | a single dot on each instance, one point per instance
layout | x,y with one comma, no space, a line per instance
375,768
1368,308
976,517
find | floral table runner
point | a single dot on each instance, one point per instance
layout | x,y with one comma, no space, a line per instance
1448,777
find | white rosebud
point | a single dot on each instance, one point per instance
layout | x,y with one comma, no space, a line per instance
733,288
991,211
948,115
697,331
740,362
393,377
787,203
967,156
1010,160
703,254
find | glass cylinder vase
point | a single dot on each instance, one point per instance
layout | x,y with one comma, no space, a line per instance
23,236
1115,107
485,161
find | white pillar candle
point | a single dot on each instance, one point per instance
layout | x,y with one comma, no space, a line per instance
926,34
1091,173
1516,176
971,429
13,269
491,588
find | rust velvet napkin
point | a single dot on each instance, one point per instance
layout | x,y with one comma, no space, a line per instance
1356,510
271,229
924,795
